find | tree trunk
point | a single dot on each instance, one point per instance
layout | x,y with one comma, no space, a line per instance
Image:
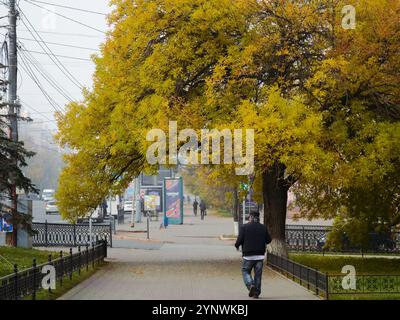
275,194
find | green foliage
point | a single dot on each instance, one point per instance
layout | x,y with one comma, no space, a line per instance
12,159
22,257
334,264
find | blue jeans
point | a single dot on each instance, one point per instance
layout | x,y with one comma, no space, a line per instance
247,267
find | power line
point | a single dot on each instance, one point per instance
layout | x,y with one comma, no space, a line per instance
38,112
72,8
33,122
48,77
25,66
65,34
57,55
68,18
53,58
62,44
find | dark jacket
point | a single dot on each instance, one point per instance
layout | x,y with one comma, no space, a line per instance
253,237
203,205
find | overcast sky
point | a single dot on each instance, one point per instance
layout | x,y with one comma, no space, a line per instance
56,31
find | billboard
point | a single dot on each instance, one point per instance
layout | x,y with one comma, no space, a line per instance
173,200
151,202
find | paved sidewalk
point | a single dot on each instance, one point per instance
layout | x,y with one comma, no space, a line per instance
179,272
194,230
179,263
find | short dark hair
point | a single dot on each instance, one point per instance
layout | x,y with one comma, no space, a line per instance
255,214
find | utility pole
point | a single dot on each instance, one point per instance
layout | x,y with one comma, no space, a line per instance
12,101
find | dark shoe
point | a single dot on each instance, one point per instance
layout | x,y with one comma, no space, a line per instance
252,291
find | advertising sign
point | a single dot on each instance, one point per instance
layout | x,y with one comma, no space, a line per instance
173,200
4,226
151,202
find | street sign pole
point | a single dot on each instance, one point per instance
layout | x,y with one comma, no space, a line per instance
244,211
148,225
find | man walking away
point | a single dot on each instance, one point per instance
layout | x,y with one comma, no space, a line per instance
203,208
195,205
253,237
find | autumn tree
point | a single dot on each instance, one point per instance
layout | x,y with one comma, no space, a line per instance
357,88
322,100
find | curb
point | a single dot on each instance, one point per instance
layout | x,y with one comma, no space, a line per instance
225,238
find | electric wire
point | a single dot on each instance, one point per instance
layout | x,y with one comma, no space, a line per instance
68,7
58,55
61,44
47,76
65,17
51,55
25,66
38,112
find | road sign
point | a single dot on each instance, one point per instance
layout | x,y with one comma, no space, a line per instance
244,186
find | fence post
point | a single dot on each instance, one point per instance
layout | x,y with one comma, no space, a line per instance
34,279
70,264
327,285
316,282
292,270
49,261
62,268
105,249
304,240
45,233
301,272
74,235
15,282
110,235
93,257
79,260
308,278
87,257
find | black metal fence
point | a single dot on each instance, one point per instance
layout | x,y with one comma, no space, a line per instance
69,235
28,282
314,280
365,284
305,238
328,285
313,238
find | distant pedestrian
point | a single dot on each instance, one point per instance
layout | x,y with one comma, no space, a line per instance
195,205
203,209
253,238
104,207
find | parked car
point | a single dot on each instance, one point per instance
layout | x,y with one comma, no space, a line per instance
48,194
128,206
51,207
